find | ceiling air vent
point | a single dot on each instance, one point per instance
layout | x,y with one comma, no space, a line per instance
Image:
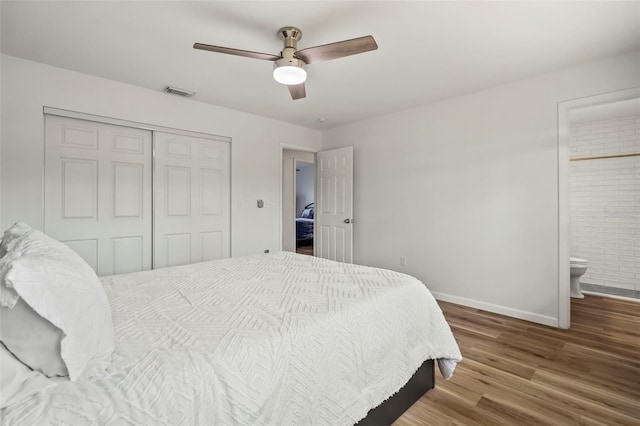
180,92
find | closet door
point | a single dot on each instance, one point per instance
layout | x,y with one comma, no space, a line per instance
191,200
98,192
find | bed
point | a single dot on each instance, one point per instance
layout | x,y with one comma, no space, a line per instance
269,339
304,226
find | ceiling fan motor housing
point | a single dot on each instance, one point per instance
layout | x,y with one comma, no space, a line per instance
291,36
290,70
289,58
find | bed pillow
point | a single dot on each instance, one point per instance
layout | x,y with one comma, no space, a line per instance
10,235
17,381
34,339
8,296
60,287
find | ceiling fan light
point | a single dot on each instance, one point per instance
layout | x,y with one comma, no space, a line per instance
289,74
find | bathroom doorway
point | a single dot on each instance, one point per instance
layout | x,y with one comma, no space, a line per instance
599,206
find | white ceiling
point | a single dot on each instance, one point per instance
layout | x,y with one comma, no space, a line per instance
427,50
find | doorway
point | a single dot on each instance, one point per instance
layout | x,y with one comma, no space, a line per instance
298,201
569,113
305,206
332,206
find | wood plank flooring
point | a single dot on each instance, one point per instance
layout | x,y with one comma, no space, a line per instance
308,250
519,373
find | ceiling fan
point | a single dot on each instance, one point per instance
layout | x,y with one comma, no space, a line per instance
289,67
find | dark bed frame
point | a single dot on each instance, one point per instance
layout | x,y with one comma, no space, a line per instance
389,411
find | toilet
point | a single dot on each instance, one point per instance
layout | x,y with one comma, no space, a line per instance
578,268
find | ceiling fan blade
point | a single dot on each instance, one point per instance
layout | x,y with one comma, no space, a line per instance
337,50
237,52
297,91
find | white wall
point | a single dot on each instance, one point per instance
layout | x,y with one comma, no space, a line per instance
467,189
256,148
605,199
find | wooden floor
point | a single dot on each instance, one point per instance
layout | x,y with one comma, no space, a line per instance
518,373
305,250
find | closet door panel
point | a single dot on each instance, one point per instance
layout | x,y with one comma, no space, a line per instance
212,245
127,254
79,185
128,190
192,199
177,191
87,249
178,249
212,192
98,192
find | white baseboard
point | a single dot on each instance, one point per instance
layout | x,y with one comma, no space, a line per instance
612,296
502,310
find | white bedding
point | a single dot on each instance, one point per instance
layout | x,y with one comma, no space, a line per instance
279,339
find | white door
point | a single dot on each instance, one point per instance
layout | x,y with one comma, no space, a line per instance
98,192
192,200
334,205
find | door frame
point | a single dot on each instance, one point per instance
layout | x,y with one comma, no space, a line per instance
564,265
292,147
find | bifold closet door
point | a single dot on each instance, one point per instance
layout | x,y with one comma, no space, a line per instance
191,199
98,192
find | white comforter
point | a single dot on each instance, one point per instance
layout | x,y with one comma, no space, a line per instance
280,339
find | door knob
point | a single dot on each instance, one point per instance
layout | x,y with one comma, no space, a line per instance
347,221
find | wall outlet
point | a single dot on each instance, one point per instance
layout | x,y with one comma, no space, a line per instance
403,260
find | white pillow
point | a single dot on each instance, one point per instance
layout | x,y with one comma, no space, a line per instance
11,234
59,285
17,381
33,339
9,296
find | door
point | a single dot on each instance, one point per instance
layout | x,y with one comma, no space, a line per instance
334,205
192,200
98,192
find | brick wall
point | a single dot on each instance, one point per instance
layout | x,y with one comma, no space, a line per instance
605,201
